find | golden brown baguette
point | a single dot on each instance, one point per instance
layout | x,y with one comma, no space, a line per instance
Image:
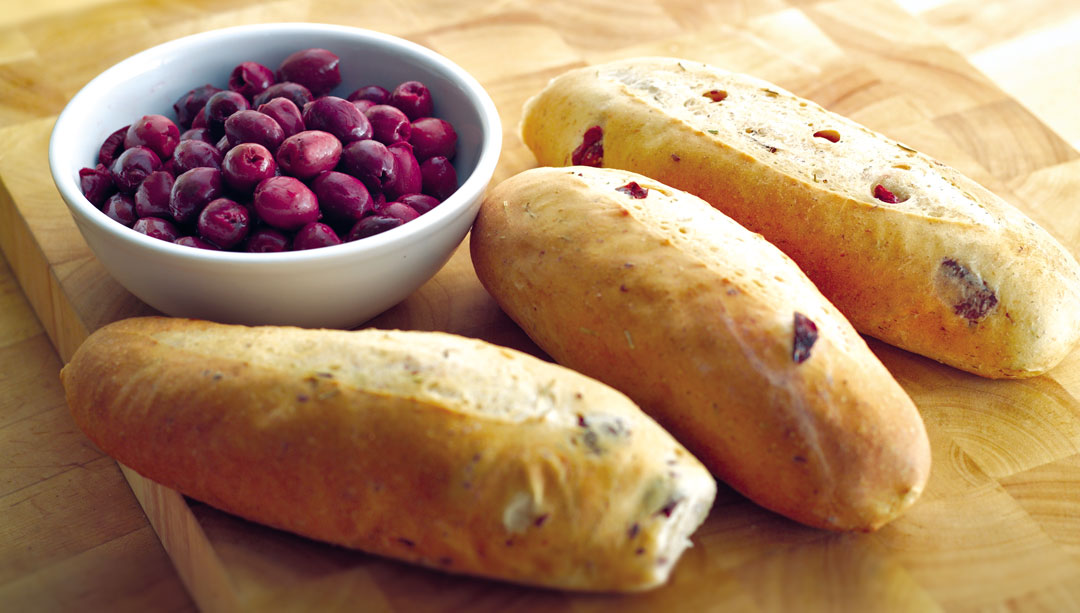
427,447
711,330
949,270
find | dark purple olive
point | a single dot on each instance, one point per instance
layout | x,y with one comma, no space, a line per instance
413,98
195,154
157,132
294,92
200,119
267,240
192,191
406,177
342,197
189,105
223,222
223,145
220,106
421,203
195,241
157,227
371,162
285,203
152,197
96,184
112,147
285,113
398,210
338,117
363,105
438,177
250,126
250,79
120,208
202,134
315,235
168,166
308,153
245,165
388,124
315,69
374,93
432,136
132,167
372,225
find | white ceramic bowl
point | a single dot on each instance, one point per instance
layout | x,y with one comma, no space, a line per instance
336,287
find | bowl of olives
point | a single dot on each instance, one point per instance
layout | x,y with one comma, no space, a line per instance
291,173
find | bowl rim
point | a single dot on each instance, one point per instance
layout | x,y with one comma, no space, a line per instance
396,238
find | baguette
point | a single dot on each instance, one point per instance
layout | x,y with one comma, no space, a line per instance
426,447
712,331
949,270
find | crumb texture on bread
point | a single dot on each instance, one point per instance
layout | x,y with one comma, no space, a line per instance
713,331
426,447
910,250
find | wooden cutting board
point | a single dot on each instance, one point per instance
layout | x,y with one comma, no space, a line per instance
999,525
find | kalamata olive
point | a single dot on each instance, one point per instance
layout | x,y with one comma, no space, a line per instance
189,105
363,105
338,117
250,126
388,124
285,203
202,134
438,177
407,178
413,98
223,145
267,240
152,197
432,136
372,225
192,191
308,153
120,207
195,241
168,166
112,147
398,210
374,93
250,79
371,162
195,154
296,93
200,119
315,69
158,228
421,203
157,132
315,235
132,167
220,106
245,165
223,222
285,113
341,197
96,184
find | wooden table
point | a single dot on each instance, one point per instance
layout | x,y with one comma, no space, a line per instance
989,87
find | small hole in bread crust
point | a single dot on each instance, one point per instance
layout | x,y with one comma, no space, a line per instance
716,95
830,135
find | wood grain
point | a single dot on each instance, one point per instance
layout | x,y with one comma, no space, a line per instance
988,87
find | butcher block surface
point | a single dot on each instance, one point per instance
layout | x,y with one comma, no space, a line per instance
987,87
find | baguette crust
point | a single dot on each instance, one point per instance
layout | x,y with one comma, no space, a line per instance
950,271
427,447
698,321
